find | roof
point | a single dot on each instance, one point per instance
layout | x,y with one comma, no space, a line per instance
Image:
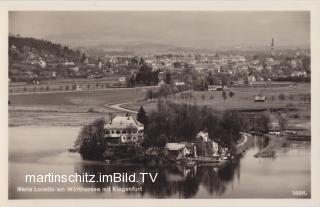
258,97
175,146
123,122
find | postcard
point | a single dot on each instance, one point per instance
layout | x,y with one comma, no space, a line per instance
127,103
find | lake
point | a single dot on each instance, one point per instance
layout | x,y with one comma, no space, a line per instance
43,150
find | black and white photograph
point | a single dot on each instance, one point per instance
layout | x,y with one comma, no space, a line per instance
159,104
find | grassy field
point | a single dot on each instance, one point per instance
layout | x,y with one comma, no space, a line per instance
38,118
78,98
242,99
75,108
63,84
66,108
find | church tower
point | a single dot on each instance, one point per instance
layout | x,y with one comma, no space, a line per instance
272,46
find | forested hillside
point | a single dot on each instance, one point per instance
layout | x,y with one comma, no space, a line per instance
22,49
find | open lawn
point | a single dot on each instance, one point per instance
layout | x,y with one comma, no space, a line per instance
79,98
243,98
38,118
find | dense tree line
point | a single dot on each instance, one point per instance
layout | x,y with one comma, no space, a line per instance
293,79
173,122
182,122
145,76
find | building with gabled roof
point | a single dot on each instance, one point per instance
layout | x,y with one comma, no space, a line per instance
124,130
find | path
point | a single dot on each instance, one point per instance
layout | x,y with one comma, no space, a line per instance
244,145
118,107
245,135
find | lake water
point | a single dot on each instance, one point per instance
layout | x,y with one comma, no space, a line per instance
43,150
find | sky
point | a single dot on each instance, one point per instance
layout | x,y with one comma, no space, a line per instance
209,29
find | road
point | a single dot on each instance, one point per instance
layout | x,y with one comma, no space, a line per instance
118,107
245,135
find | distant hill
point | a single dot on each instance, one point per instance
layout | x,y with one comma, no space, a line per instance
136,48
23,48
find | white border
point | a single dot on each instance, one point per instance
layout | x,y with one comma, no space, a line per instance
312,6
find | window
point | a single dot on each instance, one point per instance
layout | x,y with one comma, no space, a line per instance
117,132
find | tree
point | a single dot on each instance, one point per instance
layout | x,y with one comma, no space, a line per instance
168,79
177,65
90,140
291,97
164,90
141,116
224,95
282,97
231,94
149,94
246,81
203,97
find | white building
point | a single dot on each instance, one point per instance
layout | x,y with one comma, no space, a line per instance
42,63
124,129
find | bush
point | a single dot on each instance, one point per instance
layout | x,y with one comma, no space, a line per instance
282,97
224,95
231,94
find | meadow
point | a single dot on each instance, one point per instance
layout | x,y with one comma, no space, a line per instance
67,108
243,98
78,98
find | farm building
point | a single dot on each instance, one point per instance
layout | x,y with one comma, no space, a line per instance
259,98
215,88
176,150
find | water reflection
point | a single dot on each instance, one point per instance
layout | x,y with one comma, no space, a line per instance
172,181
260,177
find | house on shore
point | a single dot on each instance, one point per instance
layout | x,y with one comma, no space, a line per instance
176,150
206,146
124,130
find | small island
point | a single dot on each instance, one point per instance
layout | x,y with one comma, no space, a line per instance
173,134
